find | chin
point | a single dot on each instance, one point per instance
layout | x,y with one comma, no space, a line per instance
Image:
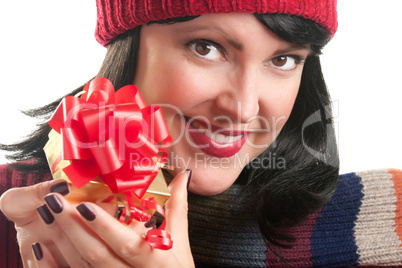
205,188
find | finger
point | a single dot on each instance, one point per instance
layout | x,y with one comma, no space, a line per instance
42,256
26,237
177,207
33,232
176,217
89,246
19,204
63,250
126,241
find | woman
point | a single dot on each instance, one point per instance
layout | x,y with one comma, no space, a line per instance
239,90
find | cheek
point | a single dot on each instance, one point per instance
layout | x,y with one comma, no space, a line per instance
171,84
278,104
285,110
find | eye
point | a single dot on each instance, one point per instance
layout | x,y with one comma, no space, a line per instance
285,63
207,50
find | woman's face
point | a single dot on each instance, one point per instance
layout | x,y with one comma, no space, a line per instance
226,85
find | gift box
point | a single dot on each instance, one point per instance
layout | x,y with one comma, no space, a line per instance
110,147
96,190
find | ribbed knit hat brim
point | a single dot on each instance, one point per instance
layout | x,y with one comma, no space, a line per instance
116,17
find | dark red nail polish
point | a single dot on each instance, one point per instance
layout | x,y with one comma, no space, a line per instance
86,212
37,249
61,188
45,214
150,223
54,203
190,171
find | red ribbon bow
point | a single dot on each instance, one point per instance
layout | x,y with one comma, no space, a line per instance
114,136
111,135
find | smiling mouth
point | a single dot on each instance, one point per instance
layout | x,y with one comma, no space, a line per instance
216,141
215,136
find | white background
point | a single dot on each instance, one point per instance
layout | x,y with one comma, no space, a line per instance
47,48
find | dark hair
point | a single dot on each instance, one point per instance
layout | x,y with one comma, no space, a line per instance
306,144
281,197
118,66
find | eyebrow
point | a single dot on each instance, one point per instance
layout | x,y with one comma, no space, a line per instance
293,47
231,42
239,47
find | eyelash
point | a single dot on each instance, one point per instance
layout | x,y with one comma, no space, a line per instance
297,59
207,42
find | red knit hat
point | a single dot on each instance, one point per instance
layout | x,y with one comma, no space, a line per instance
116,17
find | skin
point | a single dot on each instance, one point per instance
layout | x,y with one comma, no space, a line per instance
239,74
233,87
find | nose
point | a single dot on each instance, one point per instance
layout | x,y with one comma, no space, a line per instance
239,98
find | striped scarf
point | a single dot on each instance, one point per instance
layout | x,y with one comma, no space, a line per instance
360,226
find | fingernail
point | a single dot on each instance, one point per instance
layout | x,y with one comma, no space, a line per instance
45,214
190,171
150,223
37,249
54,203
86,212
61,188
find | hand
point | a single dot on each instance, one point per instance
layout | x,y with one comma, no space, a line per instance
102,241
20,206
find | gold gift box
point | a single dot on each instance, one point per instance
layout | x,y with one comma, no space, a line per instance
96,190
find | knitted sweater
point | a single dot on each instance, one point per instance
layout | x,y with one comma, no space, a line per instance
360,226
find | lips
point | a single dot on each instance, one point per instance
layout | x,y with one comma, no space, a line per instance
216,141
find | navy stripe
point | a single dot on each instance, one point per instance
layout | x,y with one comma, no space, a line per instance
332,240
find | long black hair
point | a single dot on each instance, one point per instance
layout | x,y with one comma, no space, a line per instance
305,174
280,195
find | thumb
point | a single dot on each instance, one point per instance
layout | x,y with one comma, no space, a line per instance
177,207
19,204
